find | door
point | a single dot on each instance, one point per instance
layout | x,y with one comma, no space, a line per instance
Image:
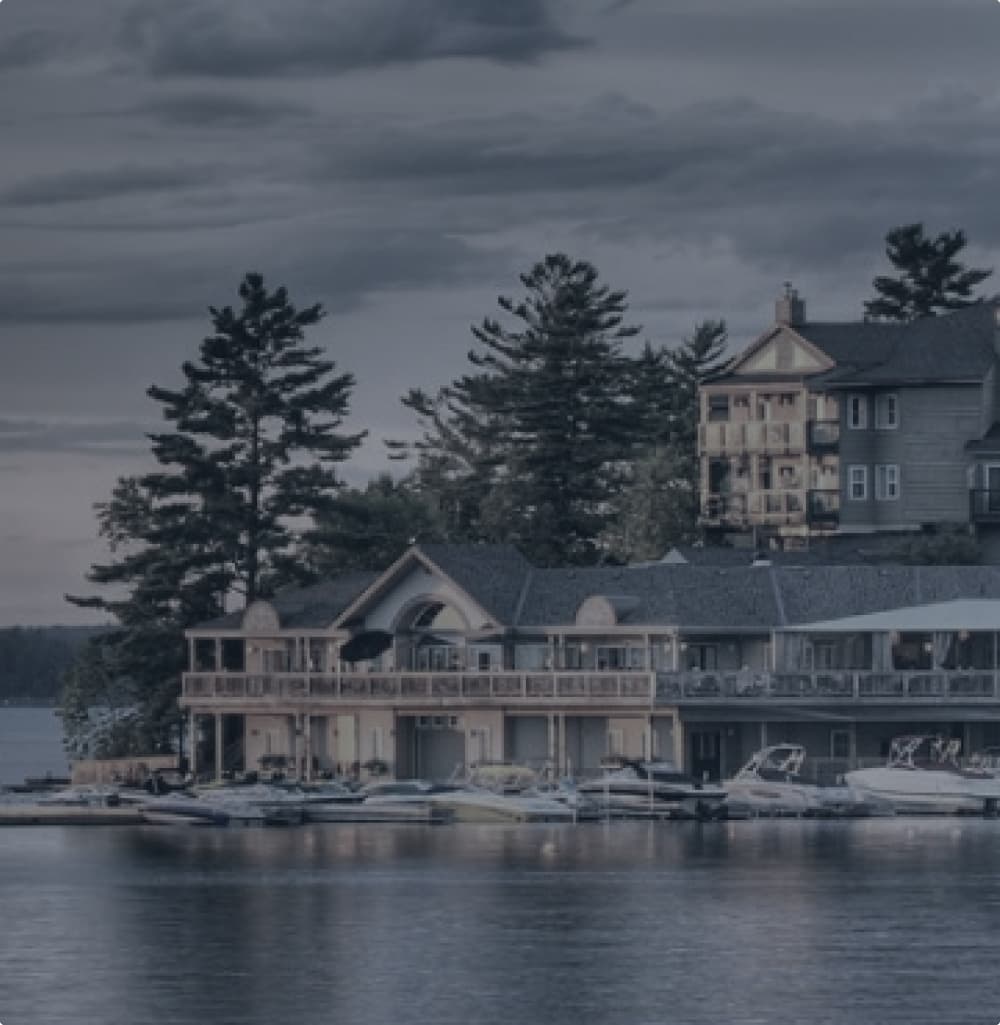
706,754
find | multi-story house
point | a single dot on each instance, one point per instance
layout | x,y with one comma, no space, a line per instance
459,654
825,428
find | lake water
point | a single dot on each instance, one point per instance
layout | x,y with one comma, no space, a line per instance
30,745
776,922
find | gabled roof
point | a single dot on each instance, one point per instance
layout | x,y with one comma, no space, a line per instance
492,576
956,346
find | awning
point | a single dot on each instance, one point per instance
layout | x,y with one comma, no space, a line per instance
961,614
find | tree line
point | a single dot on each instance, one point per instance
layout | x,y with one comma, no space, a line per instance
34,661
555,439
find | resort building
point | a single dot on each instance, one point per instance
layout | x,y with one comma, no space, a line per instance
459,654
830,428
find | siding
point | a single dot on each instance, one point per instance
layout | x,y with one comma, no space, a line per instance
928,446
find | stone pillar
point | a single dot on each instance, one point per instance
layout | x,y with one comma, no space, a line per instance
218,746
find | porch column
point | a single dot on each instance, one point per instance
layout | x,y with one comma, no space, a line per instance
192,665
763,734
852,744
676,651
552,744
650,755
294,752
192,743
218,654
563,761
680,755
218,746
307,731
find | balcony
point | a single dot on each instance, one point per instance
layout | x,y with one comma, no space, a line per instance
824,508
240,692
761,437
823,436
984,505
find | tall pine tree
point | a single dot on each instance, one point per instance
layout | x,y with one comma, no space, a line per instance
528,447
256,440
930,280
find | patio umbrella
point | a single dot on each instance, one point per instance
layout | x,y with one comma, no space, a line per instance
365,645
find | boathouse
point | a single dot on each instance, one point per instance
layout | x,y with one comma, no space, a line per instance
458,654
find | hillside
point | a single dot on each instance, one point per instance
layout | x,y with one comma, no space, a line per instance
33,660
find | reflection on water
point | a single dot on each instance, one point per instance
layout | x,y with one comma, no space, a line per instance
774,922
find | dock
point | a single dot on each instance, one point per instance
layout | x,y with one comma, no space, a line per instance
67,815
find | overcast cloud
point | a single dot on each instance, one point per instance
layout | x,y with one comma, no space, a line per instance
401,161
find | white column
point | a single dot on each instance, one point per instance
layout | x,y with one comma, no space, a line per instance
763,734
294,752
552,744
307,732
192,743
218,654
562,760
218,745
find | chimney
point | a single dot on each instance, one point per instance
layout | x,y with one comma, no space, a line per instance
790,310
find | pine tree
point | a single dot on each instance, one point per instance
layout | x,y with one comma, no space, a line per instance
659,508
527,448
930,279
370,528
256,441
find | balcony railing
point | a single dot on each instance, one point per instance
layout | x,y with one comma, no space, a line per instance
637,688
776,506
984,505
765,437
823,435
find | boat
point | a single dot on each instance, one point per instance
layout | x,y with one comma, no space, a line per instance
771,783
183,809
644,789
923,776
406,800
273,805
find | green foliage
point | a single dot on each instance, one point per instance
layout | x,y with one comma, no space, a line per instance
659,506
930,279
33,660
526,447
948,547
370,528
252,456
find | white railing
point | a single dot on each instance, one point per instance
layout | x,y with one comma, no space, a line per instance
582,687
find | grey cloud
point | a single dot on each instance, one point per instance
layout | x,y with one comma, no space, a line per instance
219,39
30,47
220,110
77,186
111,438
316,261
792,186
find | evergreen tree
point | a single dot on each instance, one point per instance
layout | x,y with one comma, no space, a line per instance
256,440
659,508
370,528
930,279
528,447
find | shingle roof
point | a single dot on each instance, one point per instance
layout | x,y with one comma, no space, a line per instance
957,346
493,574
316,606
740,598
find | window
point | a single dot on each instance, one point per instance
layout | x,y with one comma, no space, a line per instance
718,407
857,483
887,482
886,412
764,473
840,744
857,412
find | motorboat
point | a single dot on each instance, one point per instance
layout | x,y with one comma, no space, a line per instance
630,788
407,800
500,792
248,803
187,810
923,776
771,783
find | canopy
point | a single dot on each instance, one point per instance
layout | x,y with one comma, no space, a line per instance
961,614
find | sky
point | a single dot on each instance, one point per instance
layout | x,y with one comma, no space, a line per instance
403,161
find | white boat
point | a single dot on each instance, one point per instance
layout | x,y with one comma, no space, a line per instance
771,784
922,776
186,810
652,790
271,804
480,804
407,800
